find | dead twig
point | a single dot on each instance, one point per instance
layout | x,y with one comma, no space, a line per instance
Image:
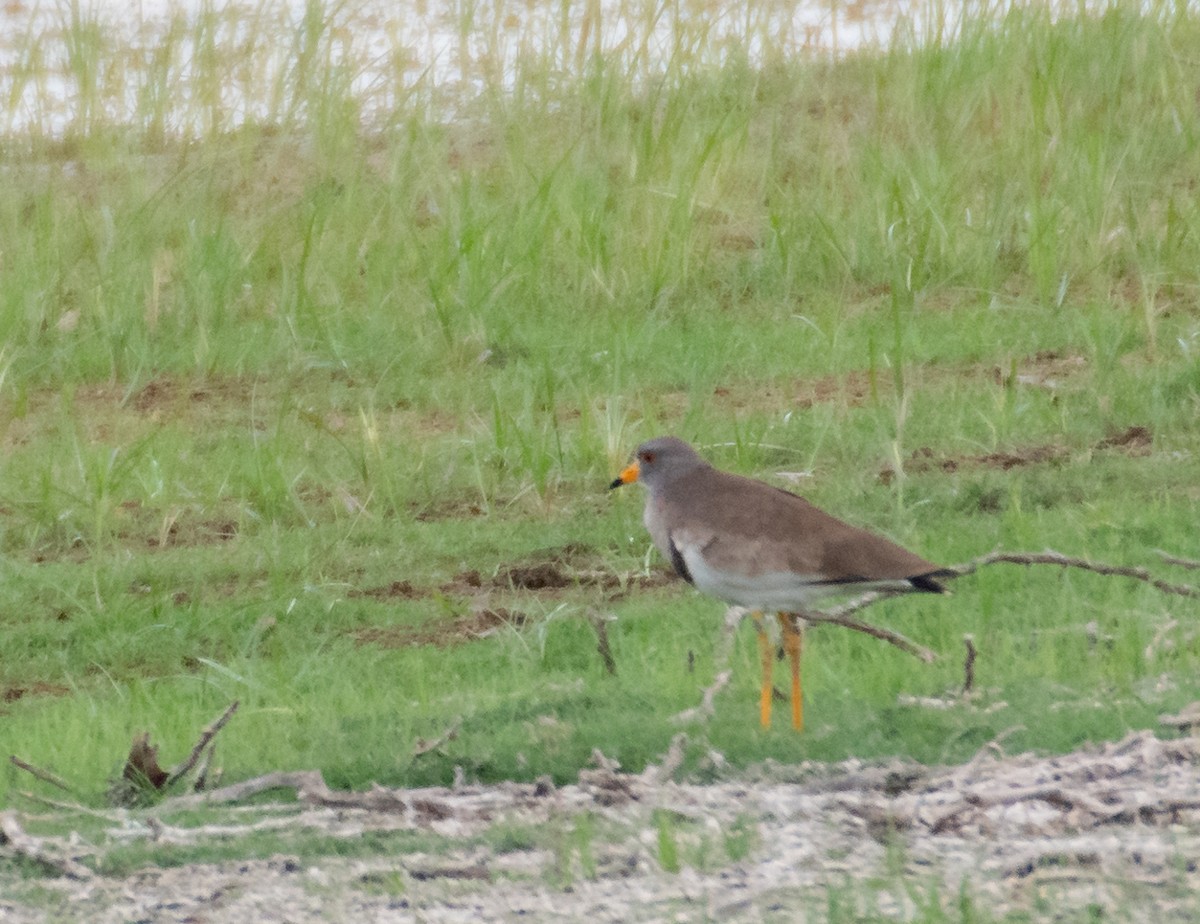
1179,562
68,806
1160,637
599,622
44,775
298,780
705,710
183,768
841,617
419,806
1061,798
672,760
1050,557
729,626
203,780
14,840
993,748
969,664
607,785
1185,720
421,746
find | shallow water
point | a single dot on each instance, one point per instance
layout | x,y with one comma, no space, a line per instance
190,66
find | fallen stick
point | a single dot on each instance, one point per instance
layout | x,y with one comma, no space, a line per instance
44,775
421,746
206,736
298,780
67,806
969,664
671,762
705,710
841,617
599,622
1050,557
14,839
1179,562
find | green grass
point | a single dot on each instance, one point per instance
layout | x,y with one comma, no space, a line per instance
252,372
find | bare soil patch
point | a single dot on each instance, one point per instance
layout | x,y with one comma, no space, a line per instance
166,393
550,571
1115,828
442,632
1134,441
569,566
179,527
447,510
1046,369
13,692
396,590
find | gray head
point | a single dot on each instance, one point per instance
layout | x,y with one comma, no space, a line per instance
659,461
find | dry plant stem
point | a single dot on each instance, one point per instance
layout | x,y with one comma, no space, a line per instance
729,626
1180,562
992,749
1050,557
424,747
969,664
68,806
14,839
44,775
201,743
202,781
672,760
299,780
310,787
706,709
841,617
599,622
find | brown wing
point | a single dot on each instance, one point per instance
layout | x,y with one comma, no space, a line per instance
755,528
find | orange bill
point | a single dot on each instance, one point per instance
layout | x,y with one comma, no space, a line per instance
628,475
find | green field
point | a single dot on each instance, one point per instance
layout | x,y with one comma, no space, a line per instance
291,411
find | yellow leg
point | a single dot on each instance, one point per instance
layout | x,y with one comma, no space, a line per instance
767,652
793,643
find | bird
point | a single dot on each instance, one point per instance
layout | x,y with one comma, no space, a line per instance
760,547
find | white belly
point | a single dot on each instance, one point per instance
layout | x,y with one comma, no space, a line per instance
781,591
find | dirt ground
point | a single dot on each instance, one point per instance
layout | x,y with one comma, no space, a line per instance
1109,832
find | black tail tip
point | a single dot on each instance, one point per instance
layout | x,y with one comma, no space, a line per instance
930,584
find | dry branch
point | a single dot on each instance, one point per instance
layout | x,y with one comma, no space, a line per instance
599,622
1185,720
1180,562
298,780
969,664
421,746
44,775
74,807
14,840
672,760
420,806
841,617
1050,557
705,709
202,742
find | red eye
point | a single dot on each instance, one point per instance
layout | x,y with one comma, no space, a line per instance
648,457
